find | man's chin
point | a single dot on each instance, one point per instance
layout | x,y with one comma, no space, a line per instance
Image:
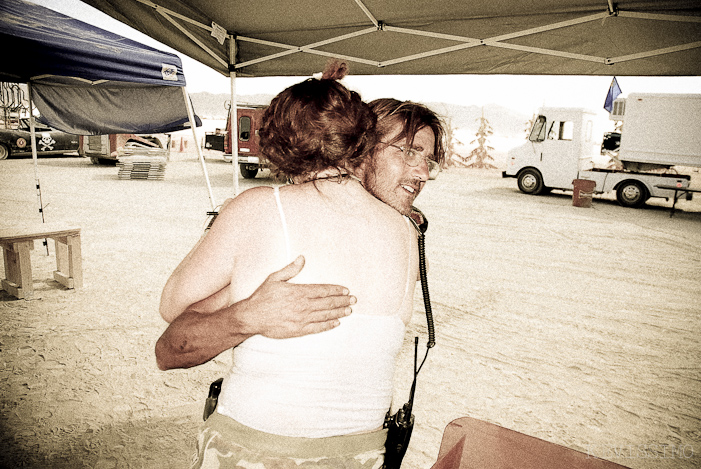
397,200
403,208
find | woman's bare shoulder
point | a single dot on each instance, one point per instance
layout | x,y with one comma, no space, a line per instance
242,215
247,200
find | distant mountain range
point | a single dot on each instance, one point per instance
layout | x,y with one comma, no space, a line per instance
214,106
505,122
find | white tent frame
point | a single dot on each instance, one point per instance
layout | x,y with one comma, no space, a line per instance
378,27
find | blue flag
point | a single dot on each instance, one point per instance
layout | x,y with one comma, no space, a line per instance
614,91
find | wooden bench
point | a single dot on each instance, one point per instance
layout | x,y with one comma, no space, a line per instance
678,192
16,244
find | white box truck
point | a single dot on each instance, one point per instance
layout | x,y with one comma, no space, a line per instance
659,132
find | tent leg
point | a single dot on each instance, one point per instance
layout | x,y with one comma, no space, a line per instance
191,116
233,115
234,119
33,134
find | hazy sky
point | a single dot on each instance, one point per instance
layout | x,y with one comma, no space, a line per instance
521,93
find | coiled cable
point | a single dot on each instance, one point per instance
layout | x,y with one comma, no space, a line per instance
424,288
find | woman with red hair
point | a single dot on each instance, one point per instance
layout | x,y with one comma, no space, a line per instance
318,400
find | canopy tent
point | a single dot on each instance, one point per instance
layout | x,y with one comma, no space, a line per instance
88,81
411,37
415,37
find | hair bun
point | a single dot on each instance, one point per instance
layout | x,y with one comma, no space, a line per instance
335,69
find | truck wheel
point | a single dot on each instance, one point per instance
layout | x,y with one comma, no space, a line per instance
94,160
248,172
4,152
531,182
631,194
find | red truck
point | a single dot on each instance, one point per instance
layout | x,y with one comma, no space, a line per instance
250,160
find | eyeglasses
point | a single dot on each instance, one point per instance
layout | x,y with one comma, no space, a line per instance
413,157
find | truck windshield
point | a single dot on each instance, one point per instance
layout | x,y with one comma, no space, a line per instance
538,130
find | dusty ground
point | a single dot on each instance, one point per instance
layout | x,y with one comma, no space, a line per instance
579,326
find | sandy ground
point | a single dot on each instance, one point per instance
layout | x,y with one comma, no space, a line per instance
579,326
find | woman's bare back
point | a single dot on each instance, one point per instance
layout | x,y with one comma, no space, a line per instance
346,236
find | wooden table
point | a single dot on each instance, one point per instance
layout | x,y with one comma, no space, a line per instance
19,241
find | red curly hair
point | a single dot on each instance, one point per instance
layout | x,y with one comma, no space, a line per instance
316,125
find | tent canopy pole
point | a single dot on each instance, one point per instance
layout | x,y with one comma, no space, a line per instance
191,116
33,134
233,115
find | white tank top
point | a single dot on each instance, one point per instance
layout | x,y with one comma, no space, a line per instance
332,383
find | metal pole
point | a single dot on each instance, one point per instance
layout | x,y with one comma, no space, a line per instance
233,115
191,116
33,133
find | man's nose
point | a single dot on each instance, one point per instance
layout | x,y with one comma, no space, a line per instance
420,171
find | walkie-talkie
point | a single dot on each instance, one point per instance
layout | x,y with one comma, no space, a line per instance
400,425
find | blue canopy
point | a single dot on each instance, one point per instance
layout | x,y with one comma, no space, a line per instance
89,81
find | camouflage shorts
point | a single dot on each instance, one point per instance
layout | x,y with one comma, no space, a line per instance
225,443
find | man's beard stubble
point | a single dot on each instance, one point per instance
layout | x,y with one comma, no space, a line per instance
383,190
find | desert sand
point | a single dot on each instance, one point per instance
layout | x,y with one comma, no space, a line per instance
579,326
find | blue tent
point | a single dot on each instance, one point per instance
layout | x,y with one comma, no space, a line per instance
85,80
88,81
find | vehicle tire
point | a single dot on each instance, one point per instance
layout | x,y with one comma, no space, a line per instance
103,161
4,152
632,194
530,181
248,172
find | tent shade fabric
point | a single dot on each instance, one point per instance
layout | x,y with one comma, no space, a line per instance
415,37
87,80
38,42
72,109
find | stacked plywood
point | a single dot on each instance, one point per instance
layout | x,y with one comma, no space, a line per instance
142,164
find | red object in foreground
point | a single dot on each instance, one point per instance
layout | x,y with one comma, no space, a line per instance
471,444
582,192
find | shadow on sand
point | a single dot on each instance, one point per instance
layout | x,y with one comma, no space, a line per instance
153,443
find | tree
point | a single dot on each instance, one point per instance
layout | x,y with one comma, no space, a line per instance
479,157
452,158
